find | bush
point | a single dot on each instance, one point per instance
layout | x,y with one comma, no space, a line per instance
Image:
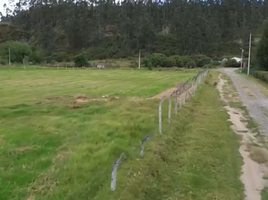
190,64
37,56
3,61
203,61
18,50
60,56
260,75
215,63
209,66
25,60
146,63
177,61
81,60
134,64
158,59
231,63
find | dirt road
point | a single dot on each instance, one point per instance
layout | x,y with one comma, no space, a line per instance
253,98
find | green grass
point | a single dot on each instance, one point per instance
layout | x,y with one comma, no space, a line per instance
50,151
256,81
30,86
264,194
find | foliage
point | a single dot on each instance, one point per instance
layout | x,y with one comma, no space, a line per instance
158,60
190,64
262,49
204,60
169,27
18,50
81,60
25,60
260,75
177,60
231,63
60,56
134,64
37,56
209,66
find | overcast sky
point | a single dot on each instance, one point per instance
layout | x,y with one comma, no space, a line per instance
2,2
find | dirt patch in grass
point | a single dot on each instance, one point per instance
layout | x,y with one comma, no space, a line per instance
78,99
170,91
31,198
21,150
166,93
58,98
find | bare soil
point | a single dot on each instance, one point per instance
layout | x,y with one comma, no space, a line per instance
170,91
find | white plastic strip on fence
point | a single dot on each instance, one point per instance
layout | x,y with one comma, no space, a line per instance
114,170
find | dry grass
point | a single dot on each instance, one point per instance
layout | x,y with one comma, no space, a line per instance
258,154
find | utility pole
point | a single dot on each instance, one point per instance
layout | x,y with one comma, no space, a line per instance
9,59
241,64
249,51
139,59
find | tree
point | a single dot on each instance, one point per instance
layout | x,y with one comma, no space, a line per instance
18,50
262,49
81,60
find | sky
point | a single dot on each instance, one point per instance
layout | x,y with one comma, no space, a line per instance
2,2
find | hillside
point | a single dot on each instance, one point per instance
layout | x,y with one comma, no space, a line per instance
110,29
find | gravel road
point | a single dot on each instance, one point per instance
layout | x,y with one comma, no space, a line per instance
257,106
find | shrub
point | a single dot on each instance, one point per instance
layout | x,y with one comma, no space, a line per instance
177,61
81,60
25,60
158,59
134,64
215,63
203,61
37,56
17,50
190,64
146,63
60,56
231,63
3,61
209,66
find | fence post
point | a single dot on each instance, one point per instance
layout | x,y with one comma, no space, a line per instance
143,142
176,102
160,114
169,110
114,170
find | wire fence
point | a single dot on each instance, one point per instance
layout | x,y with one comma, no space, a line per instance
182,93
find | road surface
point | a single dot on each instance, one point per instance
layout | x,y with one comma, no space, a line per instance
253,98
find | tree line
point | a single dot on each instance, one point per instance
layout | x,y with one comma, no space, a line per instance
110,28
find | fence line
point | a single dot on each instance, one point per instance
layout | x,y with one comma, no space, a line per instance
182,93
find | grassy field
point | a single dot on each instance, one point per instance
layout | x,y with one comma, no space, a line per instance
50,150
